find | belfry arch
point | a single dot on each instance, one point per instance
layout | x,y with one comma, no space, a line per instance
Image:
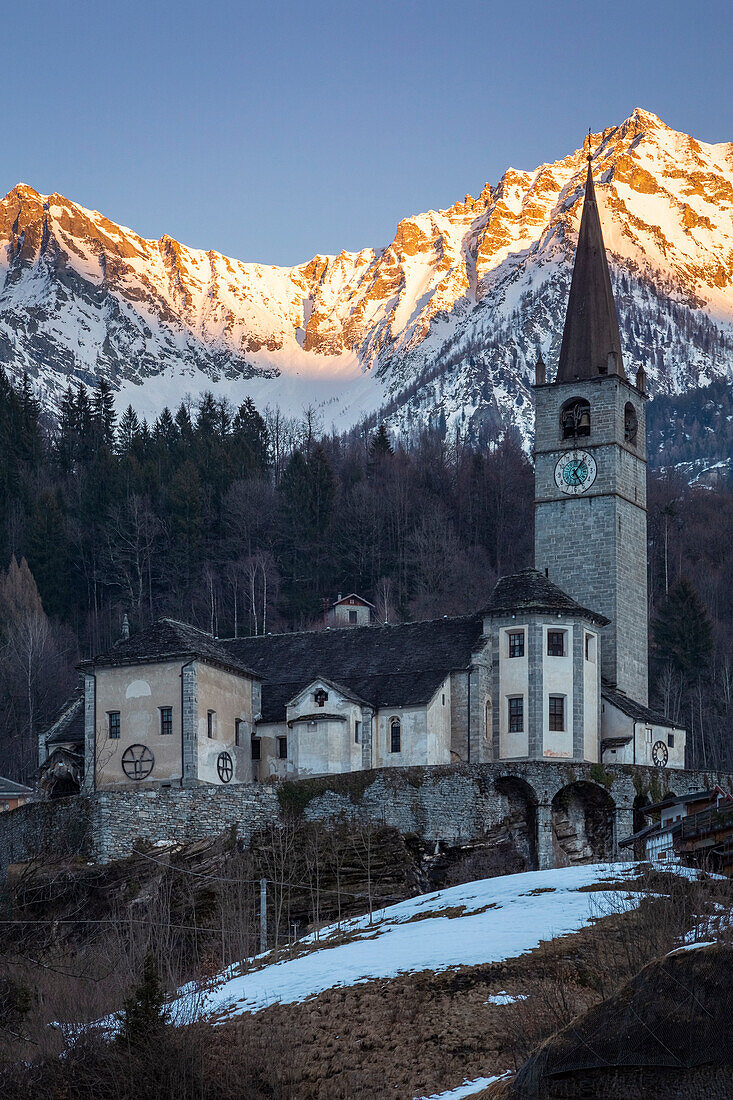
575,419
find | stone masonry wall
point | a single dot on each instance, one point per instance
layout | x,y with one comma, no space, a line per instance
454,804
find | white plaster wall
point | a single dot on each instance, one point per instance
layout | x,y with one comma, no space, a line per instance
269,764
591,690
413,740
513,680
557,679
645,743
137,692
328,746
439,725
614,723
230,697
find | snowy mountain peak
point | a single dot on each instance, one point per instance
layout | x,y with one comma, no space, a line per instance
442,325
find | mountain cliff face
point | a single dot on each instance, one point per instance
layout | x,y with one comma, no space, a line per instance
442,326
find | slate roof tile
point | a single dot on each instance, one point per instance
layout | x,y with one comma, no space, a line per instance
168,639
396,665
531,590
635,710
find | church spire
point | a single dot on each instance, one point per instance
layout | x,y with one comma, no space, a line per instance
591,345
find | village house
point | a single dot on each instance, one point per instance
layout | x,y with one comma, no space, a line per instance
687,828
13,794
351,610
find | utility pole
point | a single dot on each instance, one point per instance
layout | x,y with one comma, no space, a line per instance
263,916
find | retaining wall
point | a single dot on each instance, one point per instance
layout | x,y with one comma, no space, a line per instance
457,803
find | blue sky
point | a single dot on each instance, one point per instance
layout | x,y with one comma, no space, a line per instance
272,131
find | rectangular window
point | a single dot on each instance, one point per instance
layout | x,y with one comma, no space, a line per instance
555,643
210,715
256,749
357,732
166,720
557,713
516,643
282,748
590,647
237,732
113,724
516,715
670,740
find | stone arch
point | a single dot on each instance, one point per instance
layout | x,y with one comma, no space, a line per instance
575,418
521,821
64,787
631,424
583,817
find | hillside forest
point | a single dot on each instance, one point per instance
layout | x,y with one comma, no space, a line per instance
249,522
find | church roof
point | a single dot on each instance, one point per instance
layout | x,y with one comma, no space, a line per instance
531,590
591,325
394,665
68,726
635,710
169,640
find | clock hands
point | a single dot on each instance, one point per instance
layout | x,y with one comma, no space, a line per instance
575,472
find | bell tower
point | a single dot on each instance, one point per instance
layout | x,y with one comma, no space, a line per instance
590,467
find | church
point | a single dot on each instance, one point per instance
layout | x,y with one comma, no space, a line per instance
553,668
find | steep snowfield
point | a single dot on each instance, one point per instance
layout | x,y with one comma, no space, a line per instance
499,918
441,326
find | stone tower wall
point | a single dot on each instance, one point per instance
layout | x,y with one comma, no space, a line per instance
594,546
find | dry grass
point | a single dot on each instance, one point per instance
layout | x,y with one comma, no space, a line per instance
409,1036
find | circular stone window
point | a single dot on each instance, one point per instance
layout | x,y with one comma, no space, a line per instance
225,767
137,762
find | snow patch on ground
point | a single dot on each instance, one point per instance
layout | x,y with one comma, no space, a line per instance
503,998
468,1088
692,947
500,918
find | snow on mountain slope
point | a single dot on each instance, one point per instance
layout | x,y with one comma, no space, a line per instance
469,925
442,326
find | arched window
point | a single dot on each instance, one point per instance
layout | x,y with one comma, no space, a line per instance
395,735
575,418
631,424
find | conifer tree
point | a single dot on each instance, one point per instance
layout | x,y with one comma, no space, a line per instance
129,431
164,429
682,631
380,444
144,1016
65,449
104,416
250,439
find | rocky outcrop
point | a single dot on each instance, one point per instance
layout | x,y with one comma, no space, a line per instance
667,1034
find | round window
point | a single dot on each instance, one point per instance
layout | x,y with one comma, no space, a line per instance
225,767
137,762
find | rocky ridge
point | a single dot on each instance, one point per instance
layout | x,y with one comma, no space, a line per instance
442,326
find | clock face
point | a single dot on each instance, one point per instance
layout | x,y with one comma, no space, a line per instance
660,755
575,472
